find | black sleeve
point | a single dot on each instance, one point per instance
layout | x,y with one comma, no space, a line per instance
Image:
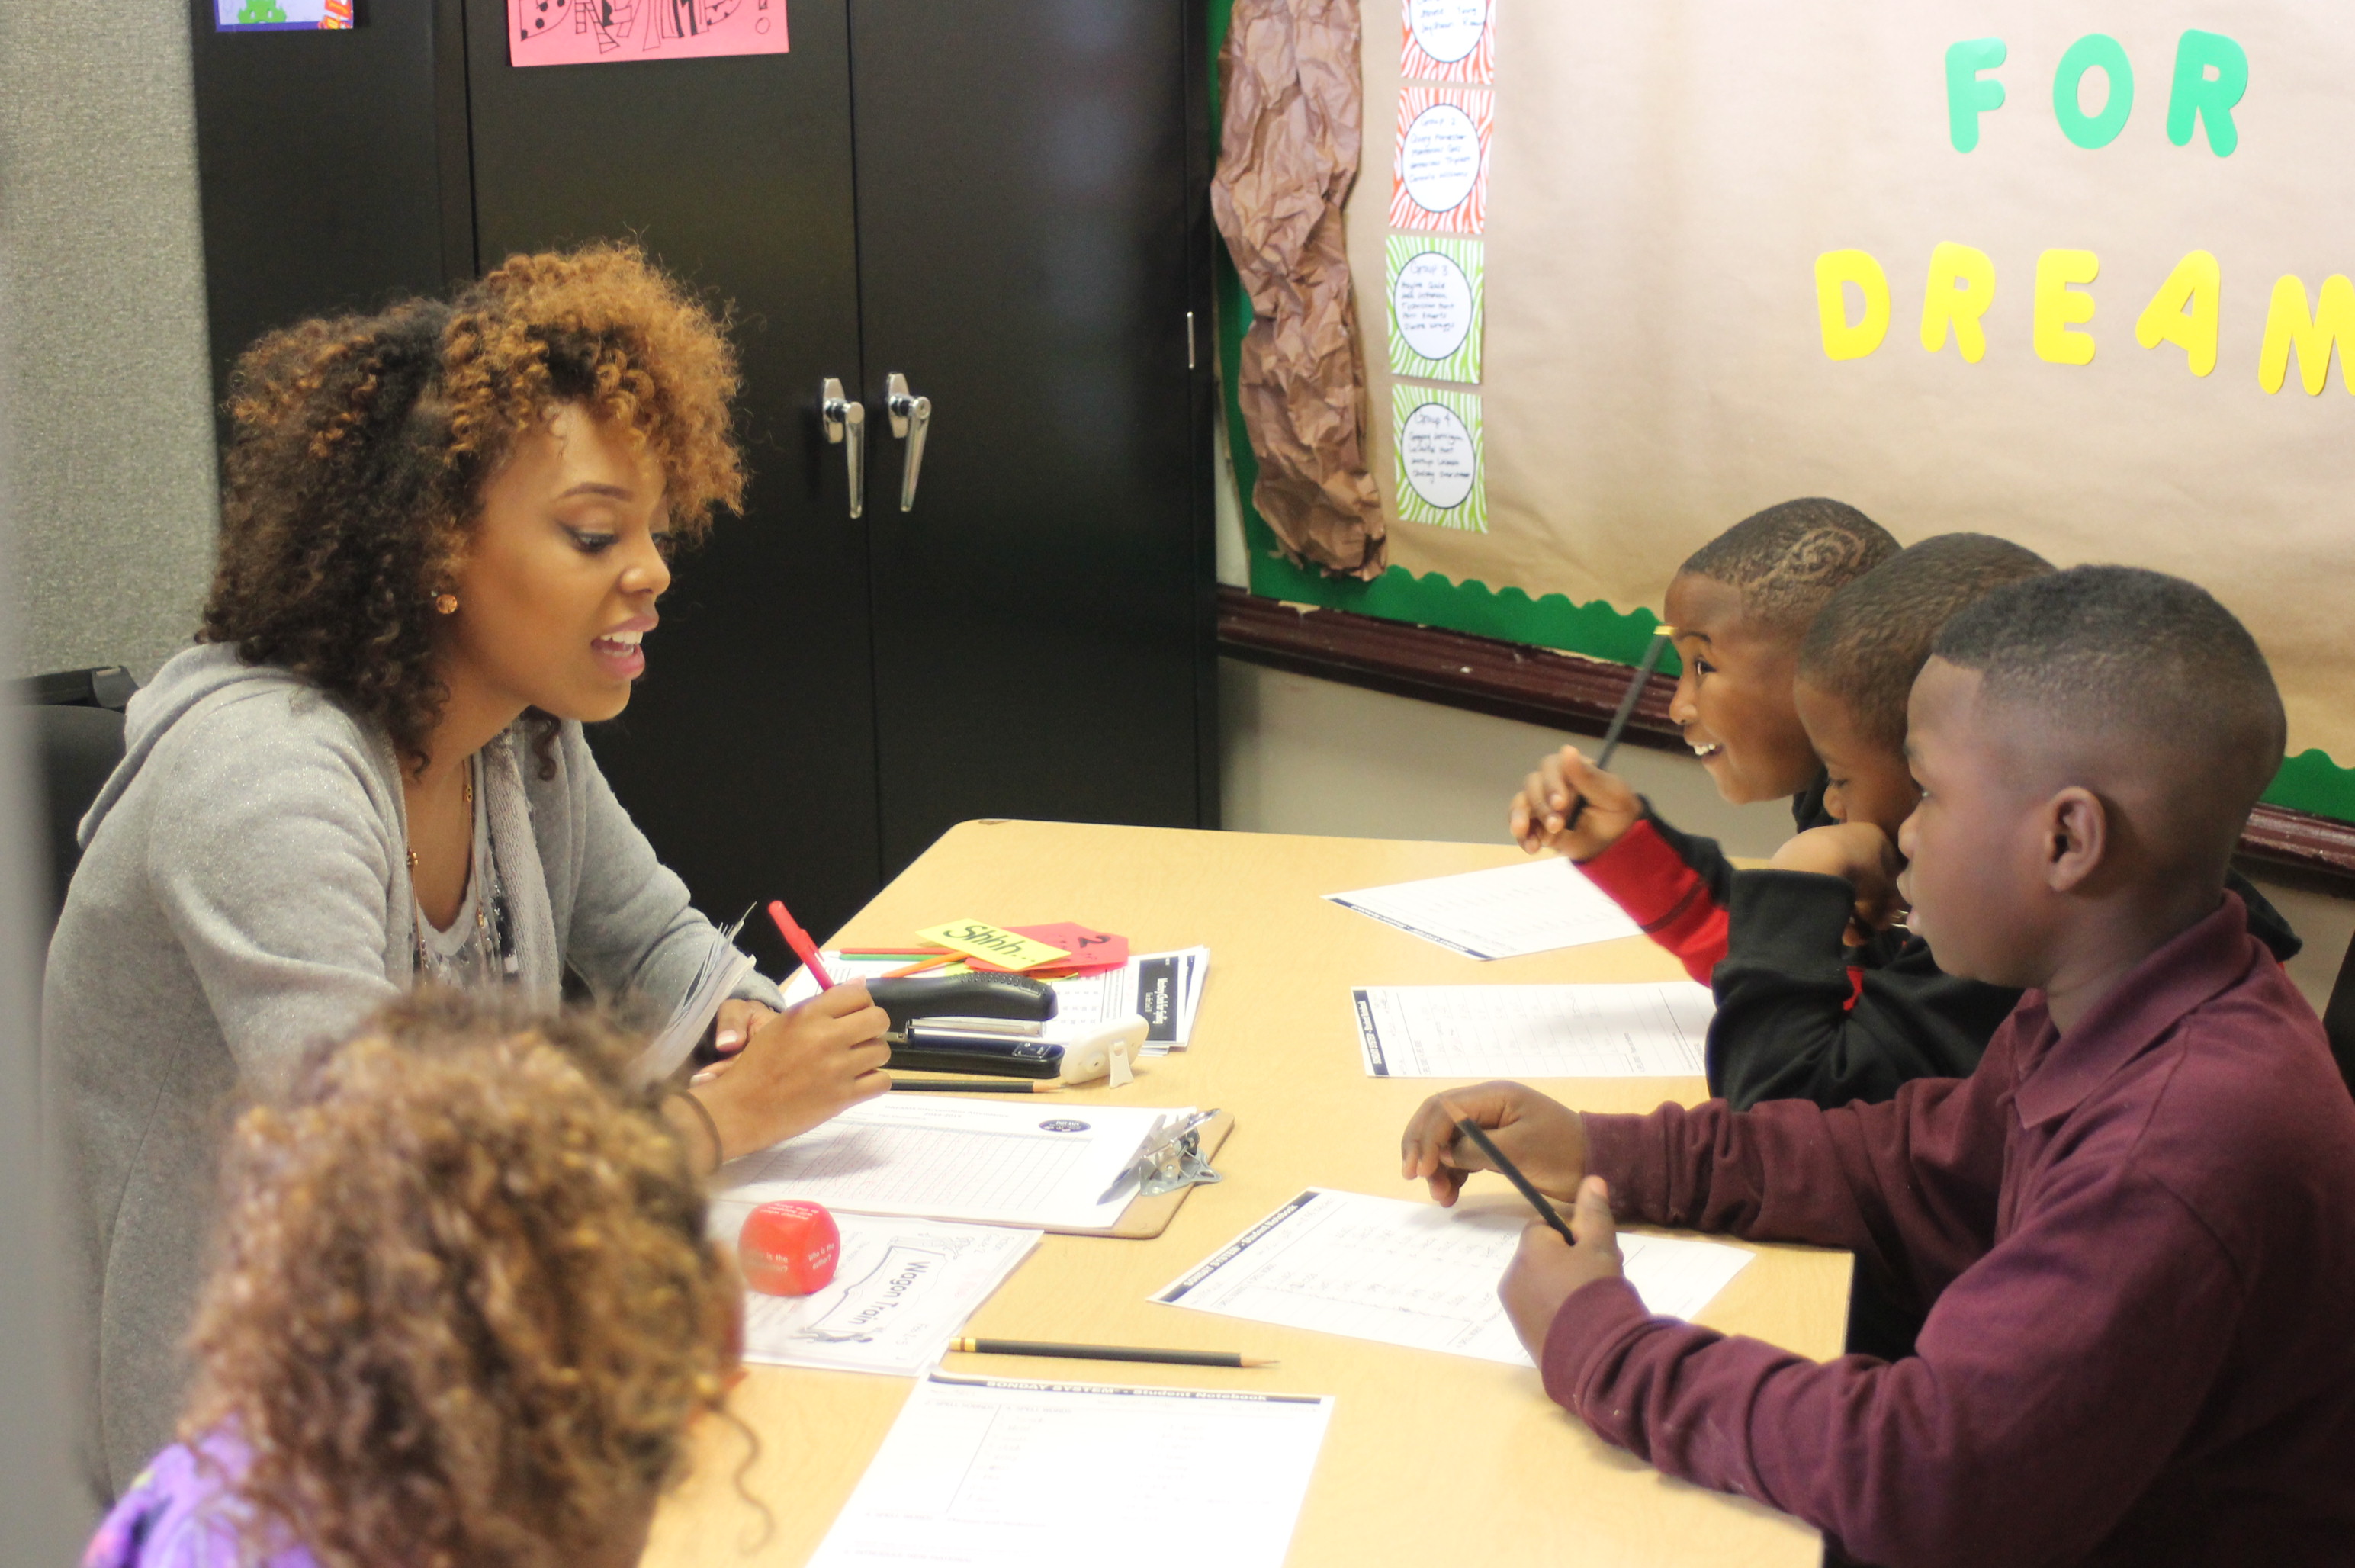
2266,924
1783,1029
1707,860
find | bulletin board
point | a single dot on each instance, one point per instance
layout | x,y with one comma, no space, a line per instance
2072,274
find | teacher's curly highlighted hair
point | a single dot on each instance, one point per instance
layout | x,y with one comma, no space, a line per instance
463,1310
359,448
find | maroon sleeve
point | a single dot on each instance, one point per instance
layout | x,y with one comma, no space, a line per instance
2029,1422
1644,876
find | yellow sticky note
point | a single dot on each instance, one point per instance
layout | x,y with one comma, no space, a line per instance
1007,949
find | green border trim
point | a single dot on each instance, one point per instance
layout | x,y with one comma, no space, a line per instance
2309,782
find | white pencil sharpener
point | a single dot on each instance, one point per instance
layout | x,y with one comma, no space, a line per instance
1108,1050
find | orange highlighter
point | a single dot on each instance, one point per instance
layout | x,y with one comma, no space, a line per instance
799,941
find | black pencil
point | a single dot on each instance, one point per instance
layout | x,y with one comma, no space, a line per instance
1635,692
1512,1173
1106,1353
981,1086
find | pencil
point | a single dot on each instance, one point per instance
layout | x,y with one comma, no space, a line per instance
1512,1173
1107,1353
921,965
1633,694
981,1086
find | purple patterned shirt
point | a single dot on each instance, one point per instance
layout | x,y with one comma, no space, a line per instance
181,1513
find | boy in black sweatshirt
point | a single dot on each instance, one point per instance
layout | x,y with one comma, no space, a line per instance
1818,997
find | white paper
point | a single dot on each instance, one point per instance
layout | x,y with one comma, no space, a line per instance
1417,1274
1164,988
1504,913
944,1157
1014,1475
1648,1030
715,978
901,1290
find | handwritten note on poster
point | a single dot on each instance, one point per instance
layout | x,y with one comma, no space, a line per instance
1435,291
595,32
1439,184
265,16
1439,462
1448,41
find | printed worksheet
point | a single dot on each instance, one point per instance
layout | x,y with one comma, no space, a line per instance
1413,1274
996,1474
901,1290
1503,913
1648,1029
934,1157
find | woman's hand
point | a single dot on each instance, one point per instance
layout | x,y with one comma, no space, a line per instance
799,1068
739,1017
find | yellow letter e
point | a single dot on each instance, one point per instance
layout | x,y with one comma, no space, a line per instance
2058,307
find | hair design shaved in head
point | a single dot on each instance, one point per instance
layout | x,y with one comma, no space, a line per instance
1787,559
2104,654
1872,637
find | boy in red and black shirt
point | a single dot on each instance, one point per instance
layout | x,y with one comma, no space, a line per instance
1818,996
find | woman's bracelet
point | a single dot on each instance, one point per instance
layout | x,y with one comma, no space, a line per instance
703,1114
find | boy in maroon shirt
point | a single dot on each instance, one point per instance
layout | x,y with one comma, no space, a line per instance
2134,1226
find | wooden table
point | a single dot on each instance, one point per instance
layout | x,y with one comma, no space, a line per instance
1431,1458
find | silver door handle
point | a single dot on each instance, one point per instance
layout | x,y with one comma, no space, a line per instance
846,426
910,418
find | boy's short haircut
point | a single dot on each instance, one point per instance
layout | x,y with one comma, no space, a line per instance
2106,649
1872,637
1787,559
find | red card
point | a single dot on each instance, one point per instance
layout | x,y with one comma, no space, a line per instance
1091,952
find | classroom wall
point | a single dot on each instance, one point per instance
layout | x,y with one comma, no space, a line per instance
108,434
1303,755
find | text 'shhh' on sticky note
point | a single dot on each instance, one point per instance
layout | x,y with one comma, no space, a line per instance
1006,949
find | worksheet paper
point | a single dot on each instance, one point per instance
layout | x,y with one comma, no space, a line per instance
1653,1030
1503,913
901,1290
1017,1475
1016,1162
1416,1274
1163,989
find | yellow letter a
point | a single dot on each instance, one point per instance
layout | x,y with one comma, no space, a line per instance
2185,309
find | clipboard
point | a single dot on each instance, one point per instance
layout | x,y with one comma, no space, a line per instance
1146,1218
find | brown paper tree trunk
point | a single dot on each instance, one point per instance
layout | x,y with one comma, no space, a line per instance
1287,158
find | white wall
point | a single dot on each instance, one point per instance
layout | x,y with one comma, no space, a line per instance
1302,756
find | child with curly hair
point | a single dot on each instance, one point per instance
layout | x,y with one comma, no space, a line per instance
464,1312
444,530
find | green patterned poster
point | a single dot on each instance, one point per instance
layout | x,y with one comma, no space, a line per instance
1439,457
1436,289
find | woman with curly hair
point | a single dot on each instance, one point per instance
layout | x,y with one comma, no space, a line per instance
444,530
462,1313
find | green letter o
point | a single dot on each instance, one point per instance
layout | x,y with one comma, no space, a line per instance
2095,50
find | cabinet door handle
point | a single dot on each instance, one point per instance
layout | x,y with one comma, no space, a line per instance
846,426
910,418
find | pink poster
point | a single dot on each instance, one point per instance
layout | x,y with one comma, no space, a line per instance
595,32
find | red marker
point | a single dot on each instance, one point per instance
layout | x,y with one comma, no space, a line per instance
799,941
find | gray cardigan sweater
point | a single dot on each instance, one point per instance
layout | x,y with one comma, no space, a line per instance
244,892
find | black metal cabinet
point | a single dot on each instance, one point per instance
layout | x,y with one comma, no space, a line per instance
1000,201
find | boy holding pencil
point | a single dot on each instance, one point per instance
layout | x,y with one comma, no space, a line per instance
2133,1226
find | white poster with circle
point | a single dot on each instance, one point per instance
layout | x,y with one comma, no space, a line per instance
1440,478
1439,182
1434,307
1448,41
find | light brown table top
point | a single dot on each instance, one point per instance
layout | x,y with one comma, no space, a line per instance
1431,1458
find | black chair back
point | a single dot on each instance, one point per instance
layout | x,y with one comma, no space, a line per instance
76,719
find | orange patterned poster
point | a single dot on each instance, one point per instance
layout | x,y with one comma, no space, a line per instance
1439,184
1448,41
595,32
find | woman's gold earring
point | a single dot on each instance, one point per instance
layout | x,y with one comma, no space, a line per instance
446,602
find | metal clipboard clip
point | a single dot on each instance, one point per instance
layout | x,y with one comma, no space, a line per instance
1169,1157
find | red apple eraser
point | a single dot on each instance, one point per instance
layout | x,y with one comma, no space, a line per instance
789,1248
